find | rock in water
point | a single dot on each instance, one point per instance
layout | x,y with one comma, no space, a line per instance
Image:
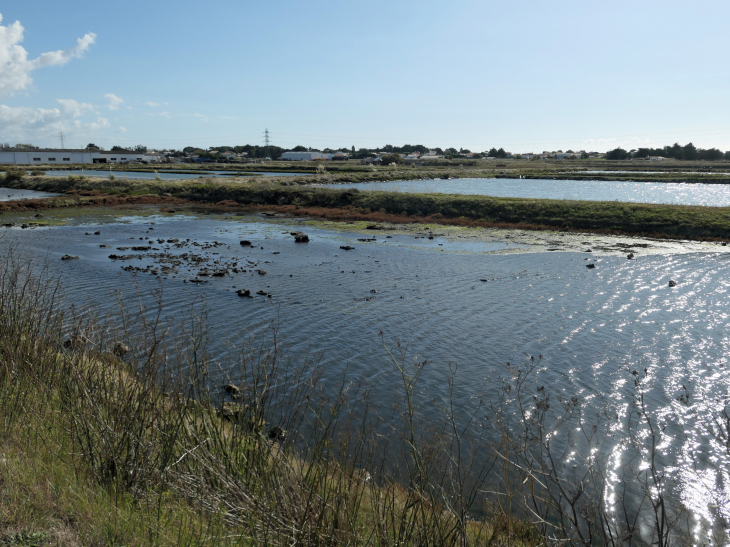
120,350
69,257
590,265
245,243
261,272
300,237
232,390
76,342
672,283
347,248
244,292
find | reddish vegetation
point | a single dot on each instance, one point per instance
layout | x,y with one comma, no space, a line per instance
351,214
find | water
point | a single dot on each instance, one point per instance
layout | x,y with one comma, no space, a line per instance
714,195
162,174
593,326
10,194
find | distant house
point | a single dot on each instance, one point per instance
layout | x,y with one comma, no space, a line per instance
656,158
153,157
306,156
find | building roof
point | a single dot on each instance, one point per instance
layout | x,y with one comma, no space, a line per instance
56,150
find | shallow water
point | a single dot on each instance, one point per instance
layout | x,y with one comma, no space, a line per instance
10,194
162,174
453,302
715,195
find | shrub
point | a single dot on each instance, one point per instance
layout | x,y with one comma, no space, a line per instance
14,175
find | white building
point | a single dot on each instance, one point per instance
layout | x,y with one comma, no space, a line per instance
305,156
153,157
50,156
119,156
37,156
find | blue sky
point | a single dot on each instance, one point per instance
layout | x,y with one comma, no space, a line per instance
525,75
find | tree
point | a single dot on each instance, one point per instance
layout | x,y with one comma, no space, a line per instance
299,148
617,154
689,152
92,146
140,149
391,158
117,148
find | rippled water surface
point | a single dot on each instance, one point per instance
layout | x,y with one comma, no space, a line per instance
451,302
716,195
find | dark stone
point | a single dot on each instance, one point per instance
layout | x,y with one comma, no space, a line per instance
261,272
244,292
347,248
672,283
120,350
590,265
231,389
245,243
276,433
69,257
76,342
630,256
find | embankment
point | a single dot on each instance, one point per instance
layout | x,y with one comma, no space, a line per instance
652,220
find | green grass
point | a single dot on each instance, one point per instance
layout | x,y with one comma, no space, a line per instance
107,447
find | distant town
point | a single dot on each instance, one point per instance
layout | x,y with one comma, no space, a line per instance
27,154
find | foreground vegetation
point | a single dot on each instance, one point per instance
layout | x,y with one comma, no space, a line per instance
668,221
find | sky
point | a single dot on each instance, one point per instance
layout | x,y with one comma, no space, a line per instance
524,75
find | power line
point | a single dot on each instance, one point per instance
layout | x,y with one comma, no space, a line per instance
61,137
266,142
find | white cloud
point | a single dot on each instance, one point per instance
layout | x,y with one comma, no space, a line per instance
203,117
114,101
24,123
16,68
150,103
122,129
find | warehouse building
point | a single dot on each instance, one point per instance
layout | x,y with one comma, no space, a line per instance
50,156
305,156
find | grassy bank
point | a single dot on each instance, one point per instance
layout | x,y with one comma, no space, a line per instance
667,221
112,434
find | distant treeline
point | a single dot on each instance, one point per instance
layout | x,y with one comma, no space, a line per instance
676,151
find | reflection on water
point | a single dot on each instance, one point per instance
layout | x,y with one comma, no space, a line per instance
452,302
715,195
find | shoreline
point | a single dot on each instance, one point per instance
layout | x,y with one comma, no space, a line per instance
654,221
